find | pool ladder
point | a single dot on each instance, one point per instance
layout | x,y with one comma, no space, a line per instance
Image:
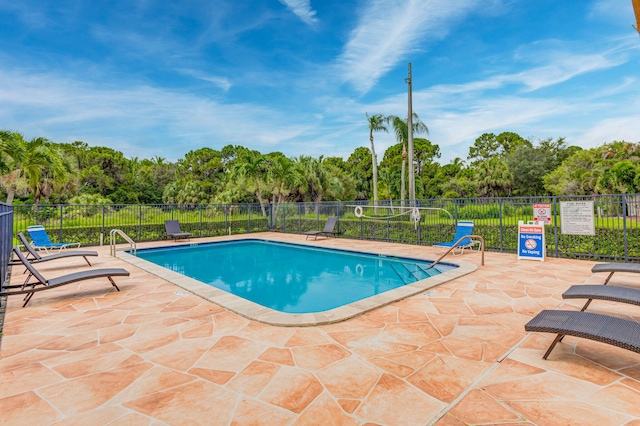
113,244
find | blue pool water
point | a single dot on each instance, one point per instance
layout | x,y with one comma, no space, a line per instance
291,278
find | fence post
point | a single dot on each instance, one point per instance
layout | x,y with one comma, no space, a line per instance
226,218
388,230
248,217
60,205
624,228
555,225
271,218
501,230
200,207
418,204
139,221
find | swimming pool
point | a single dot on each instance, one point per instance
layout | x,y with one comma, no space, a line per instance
292,278
282,276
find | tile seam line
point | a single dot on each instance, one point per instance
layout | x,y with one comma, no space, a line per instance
473,384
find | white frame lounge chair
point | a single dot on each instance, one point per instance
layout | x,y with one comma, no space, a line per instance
464,228
41,241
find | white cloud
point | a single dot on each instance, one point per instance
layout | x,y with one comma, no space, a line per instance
614,11
389,30
621,128
136,119
457,114
221,82
302,9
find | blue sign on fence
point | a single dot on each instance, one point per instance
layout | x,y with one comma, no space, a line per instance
531,242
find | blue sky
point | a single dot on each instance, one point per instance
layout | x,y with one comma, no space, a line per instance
161,78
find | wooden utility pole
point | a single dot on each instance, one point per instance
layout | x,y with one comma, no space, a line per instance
412,177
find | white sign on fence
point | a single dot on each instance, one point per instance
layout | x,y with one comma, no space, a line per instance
542,213
576,218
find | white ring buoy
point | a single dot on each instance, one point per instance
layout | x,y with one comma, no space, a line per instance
358,211
359,269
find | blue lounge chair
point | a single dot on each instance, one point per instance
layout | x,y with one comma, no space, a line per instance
41,240
463,229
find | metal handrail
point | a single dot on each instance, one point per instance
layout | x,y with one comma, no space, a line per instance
112,242
472,237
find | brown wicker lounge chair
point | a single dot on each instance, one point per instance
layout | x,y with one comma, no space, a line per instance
29,288
601,328
616,267
601,292
60,255
172,227
329,229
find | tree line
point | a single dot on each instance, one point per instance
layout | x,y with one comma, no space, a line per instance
42,171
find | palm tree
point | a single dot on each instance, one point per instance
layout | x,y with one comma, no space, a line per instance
37,163
12,151
316,177
494,177
376,124
401,130
389,183
284,175
253,166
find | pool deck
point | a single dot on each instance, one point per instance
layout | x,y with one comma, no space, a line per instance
456,354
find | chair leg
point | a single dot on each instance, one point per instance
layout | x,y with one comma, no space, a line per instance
87,260
113,283
27,299
586,305
608,278
553,345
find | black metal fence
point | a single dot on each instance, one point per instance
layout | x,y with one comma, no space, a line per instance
616,222
90,224
6,227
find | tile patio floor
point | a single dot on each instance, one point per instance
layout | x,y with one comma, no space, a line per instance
456,355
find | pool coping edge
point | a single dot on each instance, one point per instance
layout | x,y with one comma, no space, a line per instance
265,315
